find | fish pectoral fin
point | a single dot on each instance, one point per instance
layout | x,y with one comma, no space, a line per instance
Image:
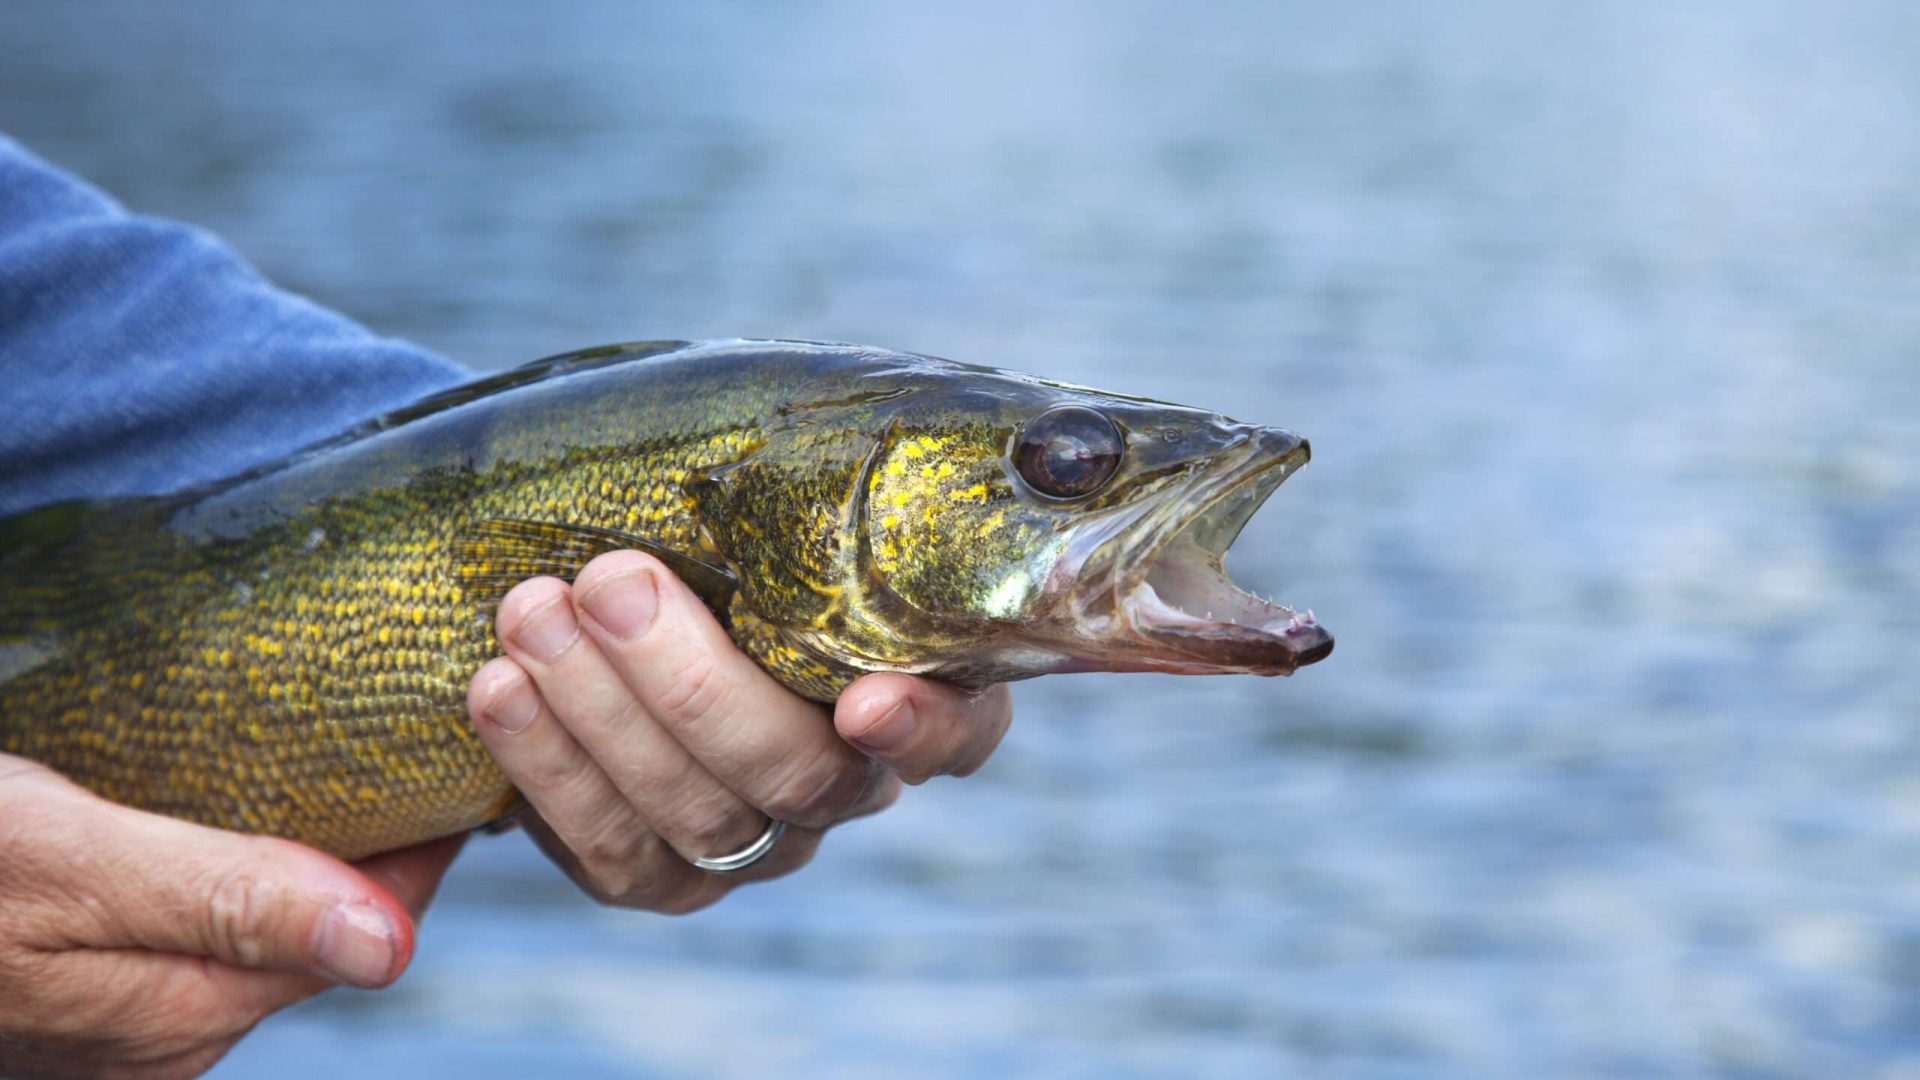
495,554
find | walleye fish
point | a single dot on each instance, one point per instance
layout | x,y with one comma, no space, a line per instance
287,651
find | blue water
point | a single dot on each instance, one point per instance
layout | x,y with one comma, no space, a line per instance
1604,321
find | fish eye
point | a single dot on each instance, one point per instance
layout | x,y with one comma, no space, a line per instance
1068,452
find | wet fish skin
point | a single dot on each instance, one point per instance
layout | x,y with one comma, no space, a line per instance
287,652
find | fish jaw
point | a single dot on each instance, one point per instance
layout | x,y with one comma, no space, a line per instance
1150,590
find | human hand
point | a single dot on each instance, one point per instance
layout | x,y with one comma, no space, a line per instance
643,739
133,945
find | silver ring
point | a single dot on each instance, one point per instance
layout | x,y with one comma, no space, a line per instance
746,856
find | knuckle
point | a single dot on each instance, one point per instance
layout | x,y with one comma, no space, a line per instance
609,888
718,826
607,885
555,776
618,718
610,882
612,860
697,690
822,792
238,912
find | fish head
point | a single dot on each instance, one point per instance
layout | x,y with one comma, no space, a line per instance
1010,526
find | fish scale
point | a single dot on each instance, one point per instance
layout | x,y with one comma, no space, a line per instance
331,686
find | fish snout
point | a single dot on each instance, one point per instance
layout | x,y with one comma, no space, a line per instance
1307,641
1280,443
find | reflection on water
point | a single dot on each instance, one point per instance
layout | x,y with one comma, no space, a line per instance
1603,325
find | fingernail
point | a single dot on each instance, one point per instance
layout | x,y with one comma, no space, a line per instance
514,710
356,945
891,732
625,605
548,631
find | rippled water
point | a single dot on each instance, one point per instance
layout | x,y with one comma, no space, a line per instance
1605,325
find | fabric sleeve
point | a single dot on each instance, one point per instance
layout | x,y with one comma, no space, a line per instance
141,356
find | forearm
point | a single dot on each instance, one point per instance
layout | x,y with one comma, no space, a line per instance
139,355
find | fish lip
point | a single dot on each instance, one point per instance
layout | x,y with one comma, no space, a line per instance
1178,545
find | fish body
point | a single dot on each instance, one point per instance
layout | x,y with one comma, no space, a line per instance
287,651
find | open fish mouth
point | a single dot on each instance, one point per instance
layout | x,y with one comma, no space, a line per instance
1173,606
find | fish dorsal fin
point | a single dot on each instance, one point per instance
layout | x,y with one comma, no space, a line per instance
533,371
495,554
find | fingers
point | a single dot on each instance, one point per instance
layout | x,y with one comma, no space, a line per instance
920,728
591,759
775,750
644,739
230,999
137,880
651,876
565,786
583,822
151,1014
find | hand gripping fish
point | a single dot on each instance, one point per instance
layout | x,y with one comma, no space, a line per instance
288,651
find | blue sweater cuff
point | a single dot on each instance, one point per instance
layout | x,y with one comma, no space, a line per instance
139,356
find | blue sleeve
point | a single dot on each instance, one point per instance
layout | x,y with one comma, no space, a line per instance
140,356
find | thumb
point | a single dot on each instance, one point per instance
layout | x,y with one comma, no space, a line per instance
250,902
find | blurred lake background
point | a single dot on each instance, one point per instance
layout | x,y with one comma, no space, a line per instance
1604,321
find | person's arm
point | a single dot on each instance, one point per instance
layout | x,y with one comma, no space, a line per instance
139,356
